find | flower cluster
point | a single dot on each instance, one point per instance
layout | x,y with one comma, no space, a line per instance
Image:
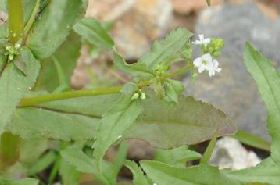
138,94
12,51
210,49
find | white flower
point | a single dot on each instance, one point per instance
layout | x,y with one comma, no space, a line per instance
202,41
207,63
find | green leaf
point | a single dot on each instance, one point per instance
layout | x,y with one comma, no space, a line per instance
171,125
209,151
42,163
68,173
67,56
91,30
27,181
54,26
252,140
177,156
268,82
31,149
167,50
115,122
162,124
164,174
74,156
138,176
33,122
172,89
136,70
14,85
267,172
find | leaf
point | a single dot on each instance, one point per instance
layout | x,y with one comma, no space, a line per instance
163,174
115,122
209,150
138,176
32,122
68,173
252,140
172,89
167,50
74,156
171,125
42,163
14,85
67,55
268,82
162,124
31,149
27,181
54,26
176,157
267,172
136,70
91,30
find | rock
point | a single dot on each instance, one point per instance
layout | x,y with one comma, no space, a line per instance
230,154
234,90
137,23
186,7
3,18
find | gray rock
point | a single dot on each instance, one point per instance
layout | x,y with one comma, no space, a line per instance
234,90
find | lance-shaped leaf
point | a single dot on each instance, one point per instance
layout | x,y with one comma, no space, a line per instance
83,163
94,33
138,176
267,172
54,26
163,174
14,85
162,124
33,122
27,181
168,49
115,122
268,82
171,125
68,173
66,57
177,156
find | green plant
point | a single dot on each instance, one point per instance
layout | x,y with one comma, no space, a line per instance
44,123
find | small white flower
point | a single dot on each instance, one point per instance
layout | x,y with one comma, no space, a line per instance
207,63
202,41
135,96
213,67
143,96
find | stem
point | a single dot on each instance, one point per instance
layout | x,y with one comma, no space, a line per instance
9,149
32,101
209,150
15,10
32,18
27,102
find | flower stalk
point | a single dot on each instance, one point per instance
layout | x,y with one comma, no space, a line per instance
15,10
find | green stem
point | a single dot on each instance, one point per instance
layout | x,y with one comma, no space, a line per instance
15,10
9,149
31,19
31,101
209,150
